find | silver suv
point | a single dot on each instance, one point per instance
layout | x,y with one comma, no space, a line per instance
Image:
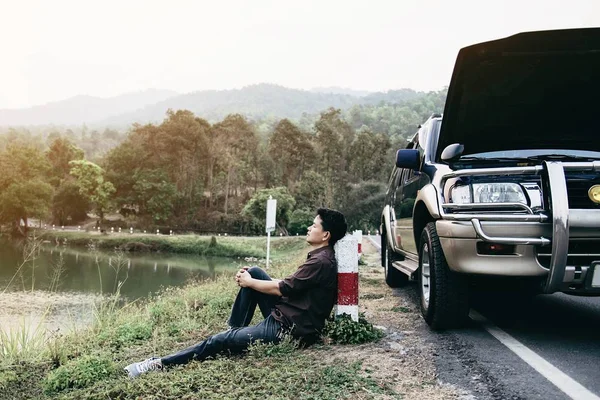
507,183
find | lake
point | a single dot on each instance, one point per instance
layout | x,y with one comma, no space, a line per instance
68,281
74,270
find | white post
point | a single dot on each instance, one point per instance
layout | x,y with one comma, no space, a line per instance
268,247
347,261
270,224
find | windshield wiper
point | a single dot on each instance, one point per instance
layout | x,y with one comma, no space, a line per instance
541,157
561,157
492,159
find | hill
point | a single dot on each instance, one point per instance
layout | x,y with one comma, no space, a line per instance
82,109
257,102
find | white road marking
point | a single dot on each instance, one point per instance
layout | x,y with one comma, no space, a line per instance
561,380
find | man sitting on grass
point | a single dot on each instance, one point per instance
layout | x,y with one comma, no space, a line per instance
298,304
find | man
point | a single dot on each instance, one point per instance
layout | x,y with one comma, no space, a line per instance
298,304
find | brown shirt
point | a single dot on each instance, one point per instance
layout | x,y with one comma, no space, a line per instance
308,295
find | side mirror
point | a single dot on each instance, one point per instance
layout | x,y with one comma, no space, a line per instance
408,158
452,152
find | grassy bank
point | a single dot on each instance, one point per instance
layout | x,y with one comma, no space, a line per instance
221,246
88,364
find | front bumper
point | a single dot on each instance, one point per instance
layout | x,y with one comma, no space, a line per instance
550,232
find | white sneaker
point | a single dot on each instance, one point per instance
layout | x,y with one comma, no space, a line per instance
136,369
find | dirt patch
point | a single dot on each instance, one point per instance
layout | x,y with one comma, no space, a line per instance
403,359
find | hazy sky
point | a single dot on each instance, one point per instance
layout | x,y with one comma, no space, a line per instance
52,50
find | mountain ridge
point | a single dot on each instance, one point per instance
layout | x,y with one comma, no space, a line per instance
254,101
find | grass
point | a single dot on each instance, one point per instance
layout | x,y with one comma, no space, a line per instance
88,363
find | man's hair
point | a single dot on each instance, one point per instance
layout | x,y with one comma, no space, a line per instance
333,222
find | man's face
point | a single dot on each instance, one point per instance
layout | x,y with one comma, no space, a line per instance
316,235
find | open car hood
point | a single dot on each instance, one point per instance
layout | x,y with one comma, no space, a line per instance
534,90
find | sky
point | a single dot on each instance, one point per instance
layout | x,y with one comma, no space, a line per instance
53,50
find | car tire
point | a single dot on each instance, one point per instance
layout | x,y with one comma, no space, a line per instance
443,294
393,277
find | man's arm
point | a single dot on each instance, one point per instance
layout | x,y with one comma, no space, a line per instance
244,279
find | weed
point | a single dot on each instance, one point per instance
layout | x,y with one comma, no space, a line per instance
344,330
79,373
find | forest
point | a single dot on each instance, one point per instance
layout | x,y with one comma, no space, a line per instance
192,173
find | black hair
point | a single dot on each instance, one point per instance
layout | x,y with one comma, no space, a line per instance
333,222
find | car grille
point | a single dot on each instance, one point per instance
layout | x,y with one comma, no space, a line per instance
577,190
581,253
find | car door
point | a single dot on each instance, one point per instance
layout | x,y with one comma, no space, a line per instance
394,195
410,182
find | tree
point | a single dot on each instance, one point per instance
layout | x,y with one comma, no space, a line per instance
233,142
333,137
91,184
368,158
300,220
362,205
154,194
59,154
310,194
291,150
69,204
122,163
22,200
257,206
24,192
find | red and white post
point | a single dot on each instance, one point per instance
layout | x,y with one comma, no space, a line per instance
358,235
347,263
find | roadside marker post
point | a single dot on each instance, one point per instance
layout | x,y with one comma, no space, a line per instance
270,225
347,263
358,235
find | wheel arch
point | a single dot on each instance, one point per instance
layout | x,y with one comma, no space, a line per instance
421,217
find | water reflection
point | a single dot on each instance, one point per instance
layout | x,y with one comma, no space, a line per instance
103,272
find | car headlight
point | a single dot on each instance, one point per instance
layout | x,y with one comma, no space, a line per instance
488,193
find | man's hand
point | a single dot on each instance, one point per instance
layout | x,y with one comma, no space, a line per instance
243,278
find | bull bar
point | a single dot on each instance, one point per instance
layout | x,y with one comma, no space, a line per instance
561,216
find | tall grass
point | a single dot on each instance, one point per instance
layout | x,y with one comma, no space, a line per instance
25,341
105,310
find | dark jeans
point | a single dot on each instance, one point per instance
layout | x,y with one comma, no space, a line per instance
239,336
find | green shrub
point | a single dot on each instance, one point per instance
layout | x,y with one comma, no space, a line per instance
79,373
343,330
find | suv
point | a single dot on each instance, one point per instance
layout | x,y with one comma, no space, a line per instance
506,185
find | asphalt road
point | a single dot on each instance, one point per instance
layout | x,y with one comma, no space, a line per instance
559,334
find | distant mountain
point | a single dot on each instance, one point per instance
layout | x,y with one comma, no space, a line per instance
254,101
82,109
150,106
339,90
